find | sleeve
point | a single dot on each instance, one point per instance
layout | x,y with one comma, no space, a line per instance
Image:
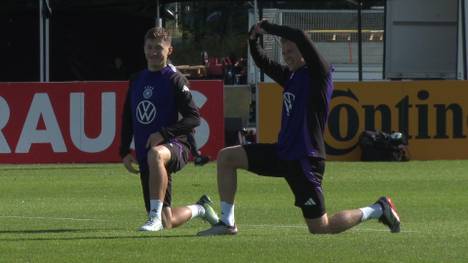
126,132
309,52
274,70
185,106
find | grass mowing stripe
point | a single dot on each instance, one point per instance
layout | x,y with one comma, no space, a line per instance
241,225
54,218
34,167
358,229
91,214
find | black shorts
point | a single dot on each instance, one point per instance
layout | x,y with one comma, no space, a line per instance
304,177
179,158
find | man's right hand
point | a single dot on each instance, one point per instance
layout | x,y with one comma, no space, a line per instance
128,162
257,30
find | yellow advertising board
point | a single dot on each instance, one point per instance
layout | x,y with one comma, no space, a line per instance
434,114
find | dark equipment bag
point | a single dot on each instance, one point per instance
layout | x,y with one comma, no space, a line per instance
381,146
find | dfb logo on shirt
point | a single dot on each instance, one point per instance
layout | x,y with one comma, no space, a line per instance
288,101
145,112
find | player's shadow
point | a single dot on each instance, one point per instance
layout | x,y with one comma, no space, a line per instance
44,231
59,231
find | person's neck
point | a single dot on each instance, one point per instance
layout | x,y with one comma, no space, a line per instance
299,66
156,68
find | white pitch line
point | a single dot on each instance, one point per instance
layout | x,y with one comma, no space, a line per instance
54,218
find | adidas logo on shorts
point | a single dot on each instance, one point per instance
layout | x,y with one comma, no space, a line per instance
310,202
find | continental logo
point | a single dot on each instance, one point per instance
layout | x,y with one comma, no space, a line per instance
434,114
426,115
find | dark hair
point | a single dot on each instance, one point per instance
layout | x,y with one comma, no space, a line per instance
158,33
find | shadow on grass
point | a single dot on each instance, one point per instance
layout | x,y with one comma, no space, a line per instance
45,167
47,231
138,235
44,231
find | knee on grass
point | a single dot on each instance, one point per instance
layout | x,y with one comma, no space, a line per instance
166,222
320,230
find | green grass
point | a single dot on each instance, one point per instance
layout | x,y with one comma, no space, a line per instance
90,213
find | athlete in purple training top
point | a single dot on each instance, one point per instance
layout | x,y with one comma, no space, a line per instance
155,98
299,154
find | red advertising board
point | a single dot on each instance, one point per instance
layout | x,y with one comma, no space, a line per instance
79,122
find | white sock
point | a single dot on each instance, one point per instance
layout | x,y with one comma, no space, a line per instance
373,211
197,210
155,208
227,213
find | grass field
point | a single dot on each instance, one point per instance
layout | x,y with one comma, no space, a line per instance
90,213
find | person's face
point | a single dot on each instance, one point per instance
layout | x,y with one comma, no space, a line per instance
291,55
156,53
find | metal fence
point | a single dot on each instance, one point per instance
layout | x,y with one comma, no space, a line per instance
335,34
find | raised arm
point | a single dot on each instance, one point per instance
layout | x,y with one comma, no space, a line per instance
309,52
274,70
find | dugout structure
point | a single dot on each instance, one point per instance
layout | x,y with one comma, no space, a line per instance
421,39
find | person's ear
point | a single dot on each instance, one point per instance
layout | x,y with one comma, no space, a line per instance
171,49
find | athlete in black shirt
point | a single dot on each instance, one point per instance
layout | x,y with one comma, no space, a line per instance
299,154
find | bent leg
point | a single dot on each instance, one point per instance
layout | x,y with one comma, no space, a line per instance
174,217
261,156
338,223
158,179
157,158
384,210
229,160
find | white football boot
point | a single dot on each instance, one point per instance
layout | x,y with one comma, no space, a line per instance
153,224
